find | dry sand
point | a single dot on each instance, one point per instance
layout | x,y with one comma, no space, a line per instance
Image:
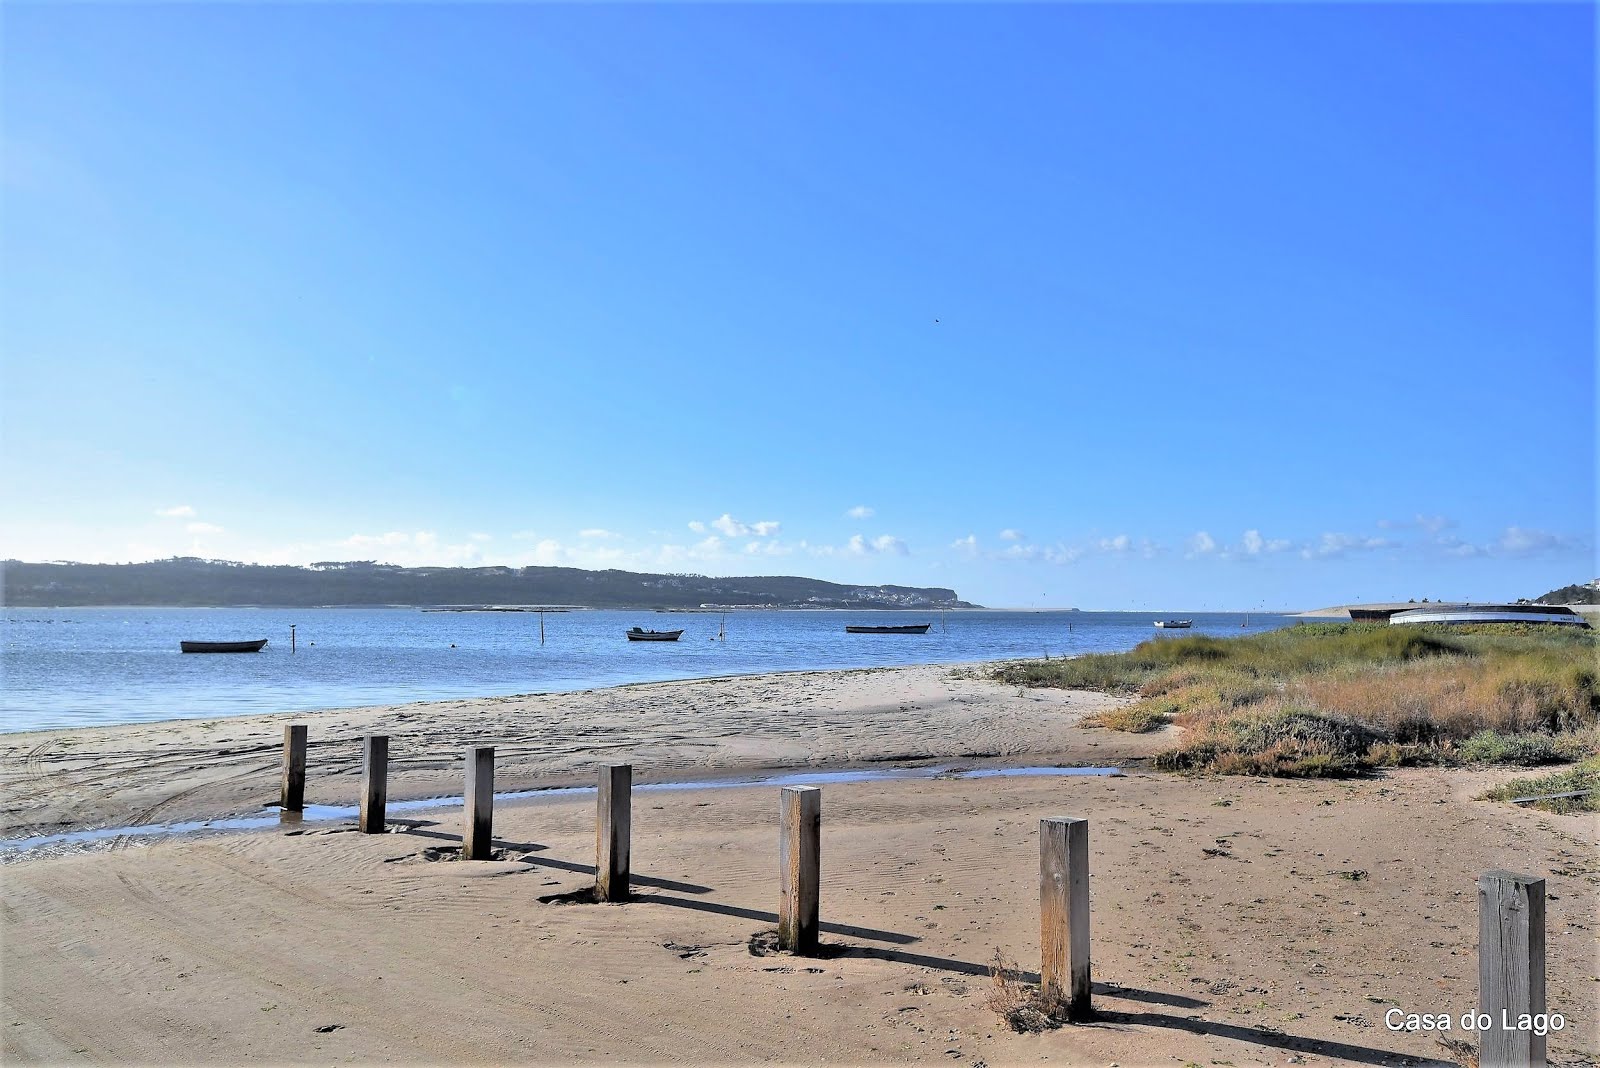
1236,921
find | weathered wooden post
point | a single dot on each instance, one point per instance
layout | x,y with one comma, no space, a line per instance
1064,914
374,782
800,853
613,826
293,798
1510,969
475,838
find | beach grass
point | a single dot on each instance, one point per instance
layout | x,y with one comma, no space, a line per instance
1583,776
1342,699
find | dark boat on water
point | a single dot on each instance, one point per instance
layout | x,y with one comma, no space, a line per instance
910,628
637,635
223,647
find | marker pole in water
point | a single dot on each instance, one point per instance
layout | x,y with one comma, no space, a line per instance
291,637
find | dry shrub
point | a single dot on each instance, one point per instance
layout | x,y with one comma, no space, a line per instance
1019,1004
1274,738
1454,698
1136,718
1462,1052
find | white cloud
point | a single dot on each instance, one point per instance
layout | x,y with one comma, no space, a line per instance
1332,545
1010,534
883,543
968,544
203,528
1255,544
697,526
421,548
1119,544
733,528
1454,546
597,533
1521,541
1050,554
481,537
861,511
769,548
1433,524
1202,544
181,511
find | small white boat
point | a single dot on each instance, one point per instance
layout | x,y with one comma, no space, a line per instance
1175,624
639,635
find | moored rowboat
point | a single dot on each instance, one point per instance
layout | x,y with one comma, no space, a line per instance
911,628
223,647
1175,624
637,635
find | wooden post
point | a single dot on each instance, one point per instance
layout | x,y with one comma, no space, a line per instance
291,637
800,853
1064,914
541,626
476,837
374,782
613,827
293,798
1510,969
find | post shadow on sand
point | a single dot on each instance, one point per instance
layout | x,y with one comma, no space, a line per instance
847,930
1103,1018
1321,1047
561,865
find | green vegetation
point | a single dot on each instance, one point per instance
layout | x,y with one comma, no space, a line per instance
1585,776
1341,699
1589,593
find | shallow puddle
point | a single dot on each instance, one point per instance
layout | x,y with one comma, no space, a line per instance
12,847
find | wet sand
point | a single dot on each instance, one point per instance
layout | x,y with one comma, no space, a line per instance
68,780
1236,921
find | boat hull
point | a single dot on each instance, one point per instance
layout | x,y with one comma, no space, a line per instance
223,647
1174,624
654,635
914,628
1553,615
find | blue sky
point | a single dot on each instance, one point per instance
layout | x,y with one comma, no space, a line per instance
1061,305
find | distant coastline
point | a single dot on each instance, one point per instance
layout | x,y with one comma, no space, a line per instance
191,582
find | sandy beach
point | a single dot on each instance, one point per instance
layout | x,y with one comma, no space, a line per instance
54,781
1235,920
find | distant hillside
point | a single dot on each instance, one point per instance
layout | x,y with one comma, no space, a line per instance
189,581
1589,593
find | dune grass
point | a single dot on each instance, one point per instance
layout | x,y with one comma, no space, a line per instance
1585,776
1342,699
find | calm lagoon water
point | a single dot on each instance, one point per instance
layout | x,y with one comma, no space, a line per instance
78,667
